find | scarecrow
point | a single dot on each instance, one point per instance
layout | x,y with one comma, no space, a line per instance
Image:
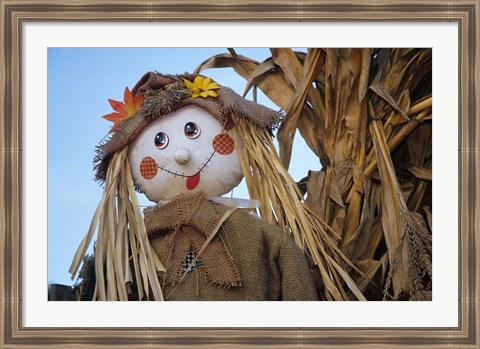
184,141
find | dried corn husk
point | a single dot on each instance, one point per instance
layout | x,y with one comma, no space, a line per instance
373,194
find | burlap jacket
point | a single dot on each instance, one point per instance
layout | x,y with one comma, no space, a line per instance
247,259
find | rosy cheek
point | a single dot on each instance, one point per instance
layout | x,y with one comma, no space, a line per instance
223,144
148,168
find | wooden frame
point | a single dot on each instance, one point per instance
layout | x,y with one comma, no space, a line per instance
13,13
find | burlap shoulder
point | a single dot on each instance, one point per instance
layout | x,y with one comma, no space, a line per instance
271,266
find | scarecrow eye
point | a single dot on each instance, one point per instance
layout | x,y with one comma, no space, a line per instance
191,130
161,140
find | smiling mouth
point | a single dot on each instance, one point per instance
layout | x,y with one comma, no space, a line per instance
193,180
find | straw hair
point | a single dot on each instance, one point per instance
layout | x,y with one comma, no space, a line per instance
121,240
281,204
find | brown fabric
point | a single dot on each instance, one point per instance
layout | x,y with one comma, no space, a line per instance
163,94
270,265
182,226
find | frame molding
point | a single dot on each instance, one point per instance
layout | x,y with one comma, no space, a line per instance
13,13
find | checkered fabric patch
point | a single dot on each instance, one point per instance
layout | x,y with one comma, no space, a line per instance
148,168
223,144
188,260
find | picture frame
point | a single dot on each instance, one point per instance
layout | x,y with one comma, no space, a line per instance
15,13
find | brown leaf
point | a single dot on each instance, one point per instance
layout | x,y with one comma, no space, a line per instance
232,52
258,74
364,74
408,69
392,223
420,172
397,118
363,242
428,216
398,137
406,188
316,196
419,196
338,219
312,134
355,200
334,193
359,71
273,85
370,267
286,132
419,144
286,59
244,66
381,91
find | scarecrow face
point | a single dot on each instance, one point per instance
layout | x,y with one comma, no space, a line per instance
185,152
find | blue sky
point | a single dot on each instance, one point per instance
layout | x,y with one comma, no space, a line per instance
80,82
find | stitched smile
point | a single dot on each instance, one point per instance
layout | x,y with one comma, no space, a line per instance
183,175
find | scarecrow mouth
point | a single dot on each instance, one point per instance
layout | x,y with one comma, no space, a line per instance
183,175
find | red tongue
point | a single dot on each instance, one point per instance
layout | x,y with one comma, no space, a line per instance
192,181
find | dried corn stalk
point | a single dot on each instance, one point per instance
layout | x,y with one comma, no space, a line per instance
366,113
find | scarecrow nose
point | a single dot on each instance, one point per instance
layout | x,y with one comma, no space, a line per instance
182,156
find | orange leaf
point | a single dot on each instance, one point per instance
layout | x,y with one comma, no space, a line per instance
127,97
113,117
117,106
125,109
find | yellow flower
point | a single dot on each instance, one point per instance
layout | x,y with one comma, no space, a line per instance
201,87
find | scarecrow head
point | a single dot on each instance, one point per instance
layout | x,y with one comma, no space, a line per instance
178,130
